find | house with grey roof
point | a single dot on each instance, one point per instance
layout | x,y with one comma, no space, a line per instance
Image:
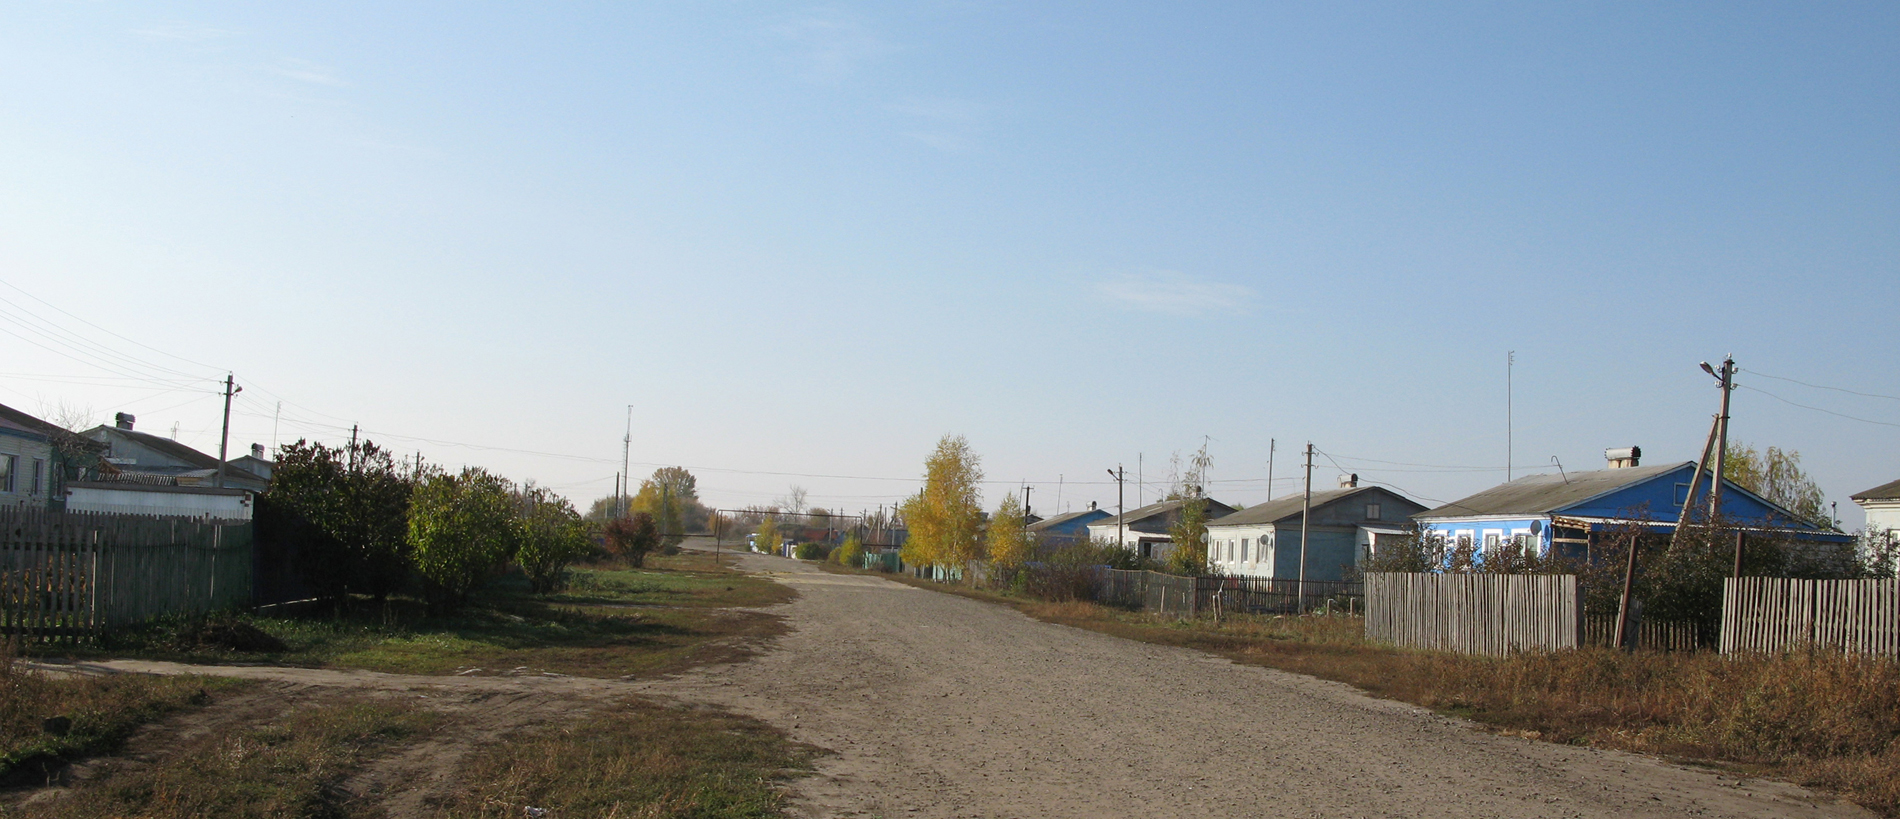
1564,514
1882,504
143,474
152,459
1347,525
29,462
1146,530
1066,529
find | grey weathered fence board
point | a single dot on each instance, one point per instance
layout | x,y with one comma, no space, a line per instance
1491,614
1773,614
66,575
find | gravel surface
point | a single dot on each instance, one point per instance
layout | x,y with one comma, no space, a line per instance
939,706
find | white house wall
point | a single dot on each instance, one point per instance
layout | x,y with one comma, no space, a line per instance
169,504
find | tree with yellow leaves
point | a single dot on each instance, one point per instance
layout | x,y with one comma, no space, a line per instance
1010,541
946,516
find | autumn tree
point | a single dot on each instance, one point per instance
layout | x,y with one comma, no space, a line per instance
850,553
671,496
632,538
1776,475
1189,530
767,537
553,535
1011,544
463,529
946,516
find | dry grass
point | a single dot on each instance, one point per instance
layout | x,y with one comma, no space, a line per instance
1824,720
46,720
291,766
634,759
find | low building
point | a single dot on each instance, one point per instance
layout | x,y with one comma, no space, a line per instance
1882,504
128,498
1066,529
1146,530
1348,525
154,460
28,468
1564,514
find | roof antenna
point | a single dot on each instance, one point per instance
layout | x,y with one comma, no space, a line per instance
1560,469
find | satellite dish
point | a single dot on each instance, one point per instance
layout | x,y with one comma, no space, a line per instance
1537,527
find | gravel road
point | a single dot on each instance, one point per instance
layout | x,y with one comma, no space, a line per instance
940,706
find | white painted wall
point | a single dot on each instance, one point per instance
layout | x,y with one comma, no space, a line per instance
133,501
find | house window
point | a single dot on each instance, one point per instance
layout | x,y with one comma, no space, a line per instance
1522,539
1492,540
1464,539
1243,549
1372,511
7,464
39,476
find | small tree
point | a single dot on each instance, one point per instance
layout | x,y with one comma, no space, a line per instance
344,511
632,538
766,538
553,535
1189,532
851,552
1011,544
946,516
463,529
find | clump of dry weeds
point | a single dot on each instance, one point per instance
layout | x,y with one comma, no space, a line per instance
633,759
46,719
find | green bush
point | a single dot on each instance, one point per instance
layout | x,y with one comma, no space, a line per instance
812,551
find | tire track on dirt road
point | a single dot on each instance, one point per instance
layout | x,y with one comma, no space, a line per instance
939,706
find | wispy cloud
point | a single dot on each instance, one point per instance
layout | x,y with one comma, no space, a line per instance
306,71
949,125
830,43
1176,293
183,32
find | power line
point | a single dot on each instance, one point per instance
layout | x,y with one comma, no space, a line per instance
1825,387
110,333
1817,409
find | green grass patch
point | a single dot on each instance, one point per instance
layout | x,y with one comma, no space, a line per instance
48,719
634,758
611,622
288,767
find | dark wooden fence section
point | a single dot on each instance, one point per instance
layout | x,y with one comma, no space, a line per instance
1493,614
67,575
1771,614
1194,596
1656,635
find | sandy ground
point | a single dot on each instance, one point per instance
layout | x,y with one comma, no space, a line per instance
940,706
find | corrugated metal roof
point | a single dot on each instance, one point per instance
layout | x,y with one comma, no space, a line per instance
1885,491
1289,506
174,450
1543,494
1215,509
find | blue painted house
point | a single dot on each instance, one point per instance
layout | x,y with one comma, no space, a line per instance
1066,529
1564,514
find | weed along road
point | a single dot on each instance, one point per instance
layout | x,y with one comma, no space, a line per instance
933,705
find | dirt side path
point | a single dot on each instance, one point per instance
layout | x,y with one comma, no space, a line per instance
940,706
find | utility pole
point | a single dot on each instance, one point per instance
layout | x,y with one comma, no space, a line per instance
352,447
1695,480
1721,448
224,440
275,416
1306,509
1026,490
1270,444
626,466
1121,526
1141,482
1510,363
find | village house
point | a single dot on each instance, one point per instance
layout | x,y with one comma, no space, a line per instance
1348,525
1066,529
1146,530
143,474
1882,504
1565,513
29,467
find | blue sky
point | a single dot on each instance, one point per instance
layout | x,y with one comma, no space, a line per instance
807,240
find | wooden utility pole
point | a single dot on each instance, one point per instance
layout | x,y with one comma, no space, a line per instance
1120,475
224,439
1629,586
1270,443
353,430
1026,491
1721,449
1741,542
626,466
1695,480
1306,510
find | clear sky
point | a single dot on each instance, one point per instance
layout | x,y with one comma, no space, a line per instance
805,241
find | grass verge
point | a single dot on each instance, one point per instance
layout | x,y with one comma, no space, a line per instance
47,720
634,758
1822,720
612,622
289,767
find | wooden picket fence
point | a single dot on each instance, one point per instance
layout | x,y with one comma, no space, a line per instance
66,576
1176,596
1492,614
1774,614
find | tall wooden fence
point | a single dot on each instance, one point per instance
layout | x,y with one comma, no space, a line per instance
1770,614
67,575
1491,614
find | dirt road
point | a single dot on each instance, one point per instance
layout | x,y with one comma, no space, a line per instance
940,706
